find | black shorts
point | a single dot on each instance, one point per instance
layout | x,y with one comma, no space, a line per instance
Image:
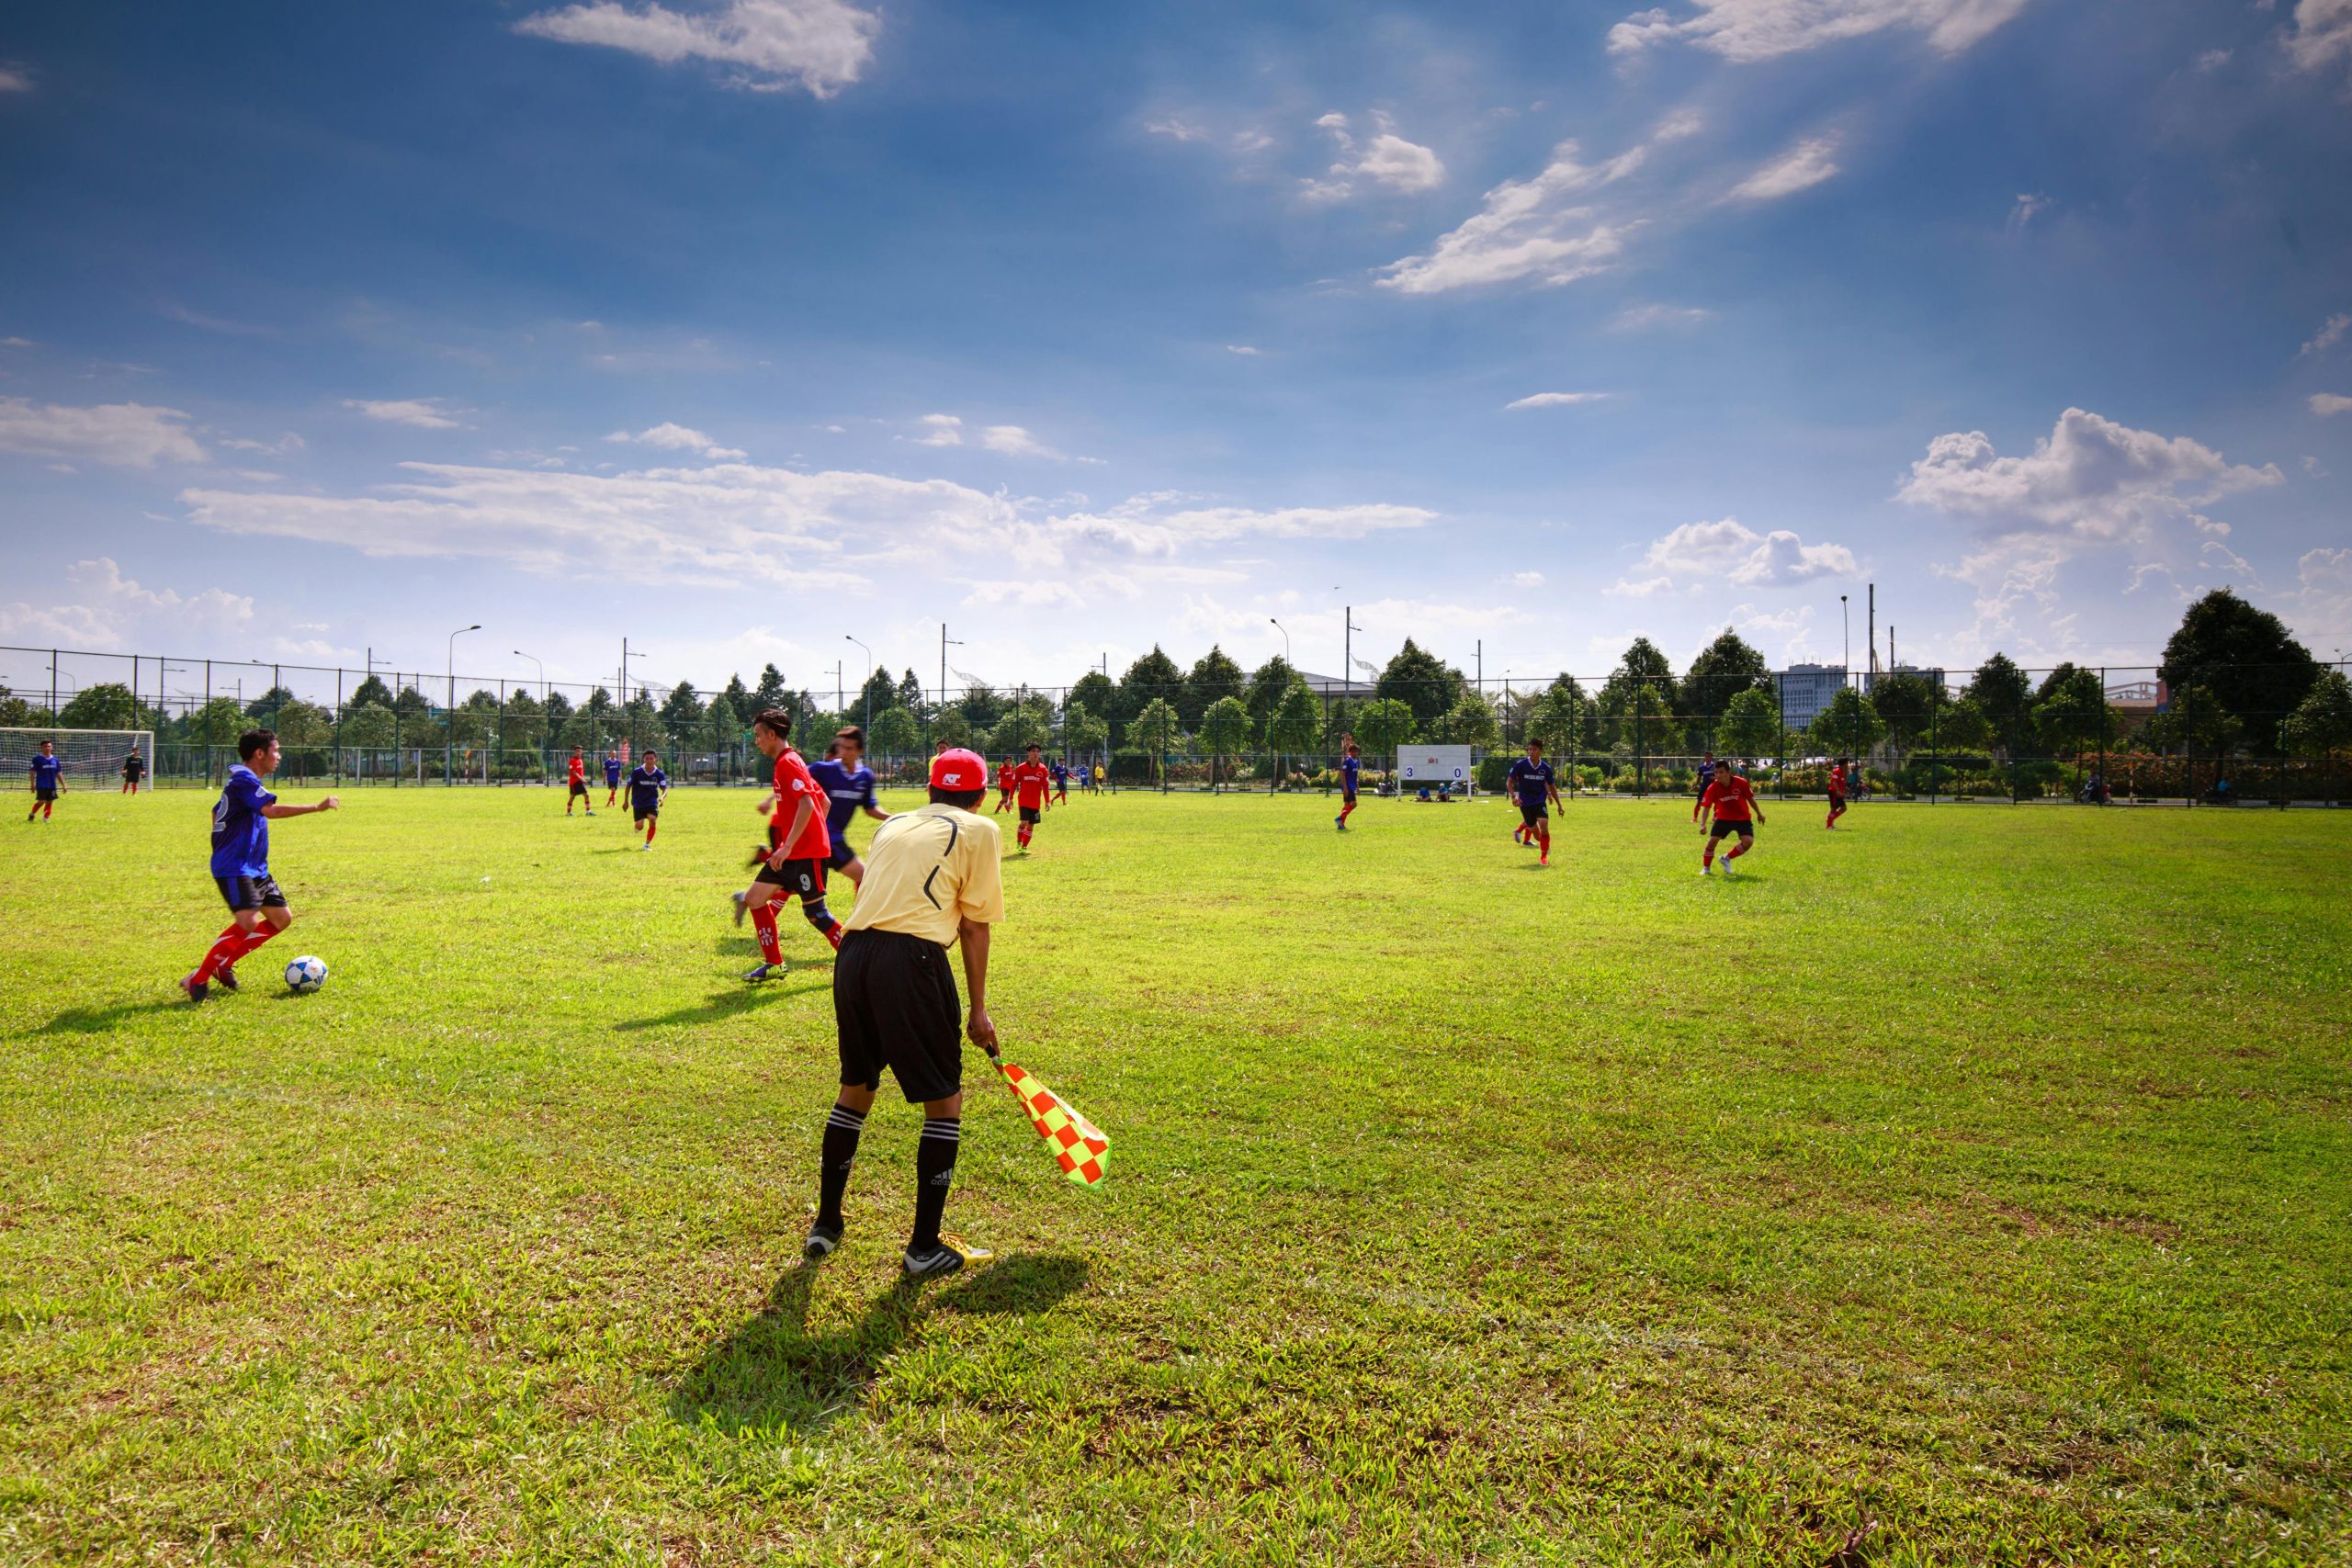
579,788
895,1006
840,854
1836,801
806,877
1531,815
1744,828
1033,814
42,794
645,808
241,893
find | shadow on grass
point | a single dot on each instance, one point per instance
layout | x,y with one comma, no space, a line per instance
772,1373
96,1020
725,1004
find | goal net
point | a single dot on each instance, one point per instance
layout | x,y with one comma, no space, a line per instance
93,758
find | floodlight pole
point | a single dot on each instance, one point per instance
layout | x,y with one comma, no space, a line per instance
945,642
1845,619
869,680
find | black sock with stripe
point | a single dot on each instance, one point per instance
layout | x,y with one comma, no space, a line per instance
934,1174
839,1152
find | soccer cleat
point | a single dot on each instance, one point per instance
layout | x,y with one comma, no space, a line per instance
740,908
951,1254
1707,871
196,989
758,972
1727,869
226,977
1340,823
823,1240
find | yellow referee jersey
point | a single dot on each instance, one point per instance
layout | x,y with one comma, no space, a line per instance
928,870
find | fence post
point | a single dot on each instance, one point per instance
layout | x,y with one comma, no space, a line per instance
338,726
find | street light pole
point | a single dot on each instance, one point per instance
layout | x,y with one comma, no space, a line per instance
1285,631
543,678
449,717
869,682
1845,619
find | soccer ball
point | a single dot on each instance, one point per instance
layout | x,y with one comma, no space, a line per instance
306,975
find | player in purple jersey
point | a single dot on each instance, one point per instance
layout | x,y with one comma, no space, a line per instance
848,784
49,781
1350,770
1536,789
240,822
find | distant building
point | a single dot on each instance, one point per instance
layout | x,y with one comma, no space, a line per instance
1336,688
2139,701
1934,677
1806,689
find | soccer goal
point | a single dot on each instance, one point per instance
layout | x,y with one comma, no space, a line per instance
93,758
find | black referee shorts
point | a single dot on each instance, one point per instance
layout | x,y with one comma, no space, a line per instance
895,1006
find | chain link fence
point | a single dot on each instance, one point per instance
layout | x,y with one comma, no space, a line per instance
2110,734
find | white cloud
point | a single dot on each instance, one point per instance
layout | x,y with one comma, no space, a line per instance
1558,399
1636,318
1526,229
15,343
1527,579
820,45
1176,129
671,437
1014,442
125,435
1751,30
16,79
1032,593
1800,168
743,523
100,609
2212,60
1242,349
2030,205
1011,440
2326,403
285,443
2322,33
2091,483
2323,600
2330,333
423,413
1387,159
941,430
1730,551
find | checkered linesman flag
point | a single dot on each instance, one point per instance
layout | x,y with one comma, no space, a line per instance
1076,1144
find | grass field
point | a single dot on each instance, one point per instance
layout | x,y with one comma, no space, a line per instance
1968,1186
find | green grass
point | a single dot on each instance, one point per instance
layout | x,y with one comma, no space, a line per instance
1969,1185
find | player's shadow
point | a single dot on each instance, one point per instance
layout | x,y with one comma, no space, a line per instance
96,1020
772,1374
726,1004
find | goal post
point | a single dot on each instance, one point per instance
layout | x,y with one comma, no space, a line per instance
93,758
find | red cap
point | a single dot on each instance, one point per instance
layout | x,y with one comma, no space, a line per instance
958,769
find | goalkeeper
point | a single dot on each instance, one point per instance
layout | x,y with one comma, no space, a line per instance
932,880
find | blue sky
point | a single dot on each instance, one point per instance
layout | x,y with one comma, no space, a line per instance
738,327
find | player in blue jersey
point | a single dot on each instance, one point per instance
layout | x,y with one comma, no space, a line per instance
240,822
647,787
848,784
612,776
49,781
1351,772
1532,785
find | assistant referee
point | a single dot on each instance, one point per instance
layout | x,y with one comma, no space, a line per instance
932,880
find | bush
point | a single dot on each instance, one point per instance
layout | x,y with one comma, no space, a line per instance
1494,773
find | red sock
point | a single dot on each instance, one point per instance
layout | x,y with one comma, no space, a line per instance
1345,809
226,948
763,922
833,935
1737,850
1707,857
261,933
1543,841
650,823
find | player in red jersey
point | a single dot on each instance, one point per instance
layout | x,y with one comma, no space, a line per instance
1733,801
798,846
576,776
1837,793
1003,785
1033,779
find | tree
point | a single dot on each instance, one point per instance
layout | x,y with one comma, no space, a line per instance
220,721
2245,658
268,703
2196,723
1557,717
771,692
1849,726
911,695
371,690
19,713
1084,734
107,705
896,733
1962,727
2071,711
1383,724
367,726
600,703
558,709
1096,691
950,726
1214,679
523,721
304,728
1290,728
1471,721
1269,685
1420,680
1724,668
1154,730
1027,723
1750,726
1338,723
738,696
2004,696
475,720
876,694
722,723
1908,704
2320,725
681,709
1224,731
1643,665
1154,675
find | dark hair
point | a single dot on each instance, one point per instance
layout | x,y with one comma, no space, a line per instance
778,722
966,798
854,733
253,742
1034,746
